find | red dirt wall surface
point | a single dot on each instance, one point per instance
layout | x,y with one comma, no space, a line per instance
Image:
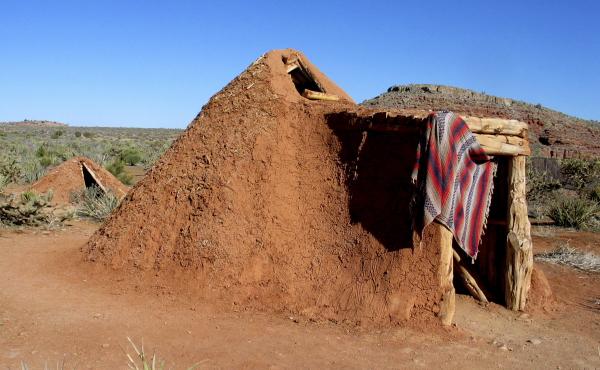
67,178
260,204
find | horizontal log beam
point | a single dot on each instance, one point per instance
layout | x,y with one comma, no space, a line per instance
478,125
316,95
503,145
508,127
496,136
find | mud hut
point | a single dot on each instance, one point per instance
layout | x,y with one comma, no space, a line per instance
76,174
284,195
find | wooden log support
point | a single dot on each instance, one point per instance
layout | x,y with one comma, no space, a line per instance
446,274
316,95
468,279
519,253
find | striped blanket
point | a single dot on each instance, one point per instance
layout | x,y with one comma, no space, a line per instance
454,179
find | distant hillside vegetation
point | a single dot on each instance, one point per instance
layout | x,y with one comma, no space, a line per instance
35,123
552,134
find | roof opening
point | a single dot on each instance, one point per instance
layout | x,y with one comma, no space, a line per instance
305,82
301,76
90,179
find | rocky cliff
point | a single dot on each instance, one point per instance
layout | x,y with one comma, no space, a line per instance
552,134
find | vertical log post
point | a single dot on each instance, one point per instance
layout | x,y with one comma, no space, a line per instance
519,253
446,273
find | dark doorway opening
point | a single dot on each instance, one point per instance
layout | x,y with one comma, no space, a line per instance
89,179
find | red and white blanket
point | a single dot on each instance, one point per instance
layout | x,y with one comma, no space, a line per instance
454,179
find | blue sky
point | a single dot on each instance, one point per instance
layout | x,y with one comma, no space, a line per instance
155,63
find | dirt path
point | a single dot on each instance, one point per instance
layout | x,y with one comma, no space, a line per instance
51,309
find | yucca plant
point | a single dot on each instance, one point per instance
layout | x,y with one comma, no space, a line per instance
141,361
94,203
32,171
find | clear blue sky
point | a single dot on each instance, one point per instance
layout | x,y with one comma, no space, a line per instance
155,63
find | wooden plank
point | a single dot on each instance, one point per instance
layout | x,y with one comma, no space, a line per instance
519,253
316,95
290,67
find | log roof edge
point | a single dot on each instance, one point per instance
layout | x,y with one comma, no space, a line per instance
497,136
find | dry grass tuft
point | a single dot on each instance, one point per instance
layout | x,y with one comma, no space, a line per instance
569,256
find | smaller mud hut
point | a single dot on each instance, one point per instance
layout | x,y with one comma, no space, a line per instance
76,174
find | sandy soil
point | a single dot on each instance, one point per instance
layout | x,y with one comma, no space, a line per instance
53,309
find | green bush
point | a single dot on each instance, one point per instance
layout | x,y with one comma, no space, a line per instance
595,194
540,185
53,155
88,134
77,133
58,133
4,181
580,173
30,209
117,168
47,161
130,156
574,212
10,170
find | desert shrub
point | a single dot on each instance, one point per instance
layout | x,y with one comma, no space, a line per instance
94,203
130,156
595,194
540,185
117,168
77,133
30,209
574,212
10,169
47,161
31,196
57,133
88,134
125,178
54,154
4,181
579,174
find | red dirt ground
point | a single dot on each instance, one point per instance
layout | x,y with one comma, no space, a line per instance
67,178
52,308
